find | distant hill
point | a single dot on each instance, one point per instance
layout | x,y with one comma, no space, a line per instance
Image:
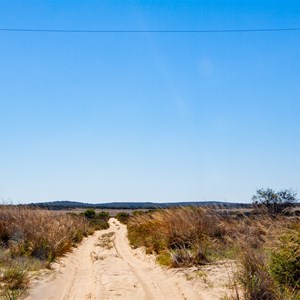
133,205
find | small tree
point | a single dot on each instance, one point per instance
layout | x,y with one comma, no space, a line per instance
273,202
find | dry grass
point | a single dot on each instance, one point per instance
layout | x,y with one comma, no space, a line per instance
39,233
31,239
123,217
97,221
267,250
285,258
106,240
182,236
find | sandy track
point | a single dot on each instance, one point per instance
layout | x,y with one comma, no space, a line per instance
105,267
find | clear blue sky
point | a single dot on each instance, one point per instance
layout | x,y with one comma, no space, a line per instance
148,116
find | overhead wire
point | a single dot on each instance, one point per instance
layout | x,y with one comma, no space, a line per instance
147,31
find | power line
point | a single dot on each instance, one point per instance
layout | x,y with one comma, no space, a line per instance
148,31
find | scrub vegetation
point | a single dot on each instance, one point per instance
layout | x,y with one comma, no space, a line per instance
30,239
123,217
265,248
97,221
262,243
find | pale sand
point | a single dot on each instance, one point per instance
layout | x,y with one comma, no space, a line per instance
105,267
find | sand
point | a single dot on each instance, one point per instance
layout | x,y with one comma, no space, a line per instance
104,266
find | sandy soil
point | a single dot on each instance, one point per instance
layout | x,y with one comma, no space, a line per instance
105,267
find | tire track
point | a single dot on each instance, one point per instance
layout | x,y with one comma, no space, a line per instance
104,267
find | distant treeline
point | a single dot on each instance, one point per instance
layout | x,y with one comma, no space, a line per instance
57,205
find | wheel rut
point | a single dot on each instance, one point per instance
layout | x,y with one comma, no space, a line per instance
104,267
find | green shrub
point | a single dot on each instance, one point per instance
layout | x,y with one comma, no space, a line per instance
103,215
285,259
164,258
89,213
97,221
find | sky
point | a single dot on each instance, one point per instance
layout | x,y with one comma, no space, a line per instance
160,117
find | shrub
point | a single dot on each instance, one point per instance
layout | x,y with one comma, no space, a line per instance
97,221
267,271
285,259
103,215
89,213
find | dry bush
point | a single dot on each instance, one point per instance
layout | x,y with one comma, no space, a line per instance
39,233
186,232
254,276
31,239
266,248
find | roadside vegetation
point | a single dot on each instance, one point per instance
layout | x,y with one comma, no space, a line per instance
123,217
97,221
264,245
30,239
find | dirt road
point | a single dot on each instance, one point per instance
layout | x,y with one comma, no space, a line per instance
105,267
